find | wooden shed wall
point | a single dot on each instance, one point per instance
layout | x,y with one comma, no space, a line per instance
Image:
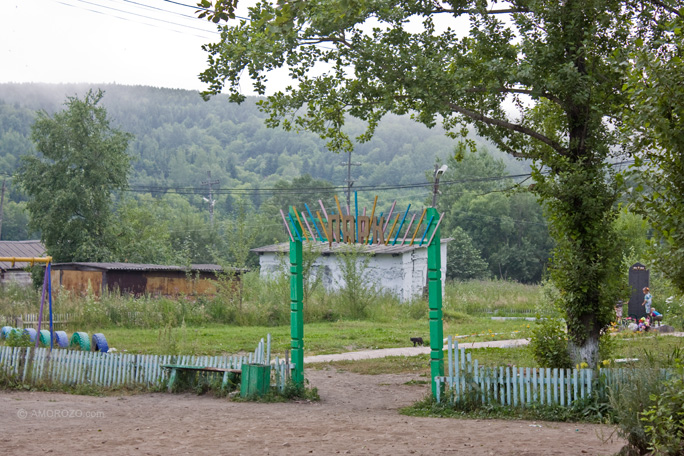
164,283
77,281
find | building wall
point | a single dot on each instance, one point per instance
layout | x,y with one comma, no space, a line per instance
18,277
162,283
403,275
76,281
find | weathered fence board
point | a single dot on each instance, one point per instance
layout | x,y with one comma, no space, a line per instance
117,369
516,386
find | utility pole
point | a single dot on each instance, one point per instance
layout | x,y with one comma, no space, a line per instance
349,181
2,204
211,199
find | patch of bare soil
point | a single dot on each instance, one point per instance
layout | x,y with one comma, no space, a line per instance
357,414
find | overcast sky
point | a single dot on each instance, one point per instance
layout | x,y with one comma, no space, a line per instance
146,42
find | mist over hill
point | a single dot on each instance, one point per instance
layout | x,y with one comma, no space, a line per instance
179,138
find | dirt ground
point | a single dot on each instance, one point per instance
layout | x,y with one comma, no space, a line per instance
357,414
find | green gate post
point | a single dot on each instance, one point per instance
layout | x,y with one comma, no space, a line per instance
296,304
434,252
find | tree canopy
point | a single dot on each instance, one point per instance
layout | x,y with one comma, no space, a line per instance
80,161
654,127
540,79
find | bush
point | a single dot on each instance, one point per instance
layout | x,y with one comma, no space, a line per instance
549,344
633,395
548,340
664,420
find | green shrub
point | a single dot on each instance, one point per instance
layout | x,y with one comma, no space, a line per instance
357,293
664,419
549,344
636,393
18,338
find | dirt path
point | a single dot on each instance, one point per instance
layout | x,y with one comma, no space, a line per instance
408,351
356,415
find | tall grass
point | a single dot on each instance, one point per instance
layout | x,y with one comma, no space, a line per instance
266,302
492,297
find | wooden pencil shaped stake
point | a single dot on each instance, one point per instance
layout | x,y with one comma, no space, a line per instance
408,229
313,221
427,228
375,201
392,229
282,214
401,224
418,227
313,236
389,216
435,230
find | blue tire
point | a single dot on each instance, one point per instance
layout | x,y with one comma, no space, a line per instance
4,332
61,339
32,333
99,343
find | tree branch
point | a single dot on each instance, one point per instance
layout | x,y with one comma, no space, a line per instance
508,125
471,11
667,8
327,39
520,91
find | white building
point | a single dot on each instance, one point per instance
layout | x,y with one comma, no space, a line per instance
400,269
17,272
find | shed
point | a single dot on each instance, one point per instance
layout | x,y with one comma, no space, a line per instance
137,279
17,272
398,269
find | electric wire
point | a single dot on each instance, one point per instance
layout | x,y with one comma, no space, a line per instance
104,13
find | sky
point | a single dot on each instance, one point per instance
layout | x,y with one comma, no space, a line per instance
142,42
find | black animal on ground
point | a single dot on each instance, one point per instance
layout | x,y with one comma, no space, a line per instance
417,341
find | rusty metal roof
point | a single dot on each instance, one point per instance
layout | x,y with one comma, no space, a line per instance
325,249
20,249
82,266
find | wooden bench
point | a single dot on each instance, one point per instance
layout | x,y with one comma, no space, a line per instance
179,370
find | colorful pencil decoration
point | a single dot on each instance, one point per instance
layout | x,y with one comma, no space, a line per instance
418,227
392,230
435,230
401,224
322,225
325,213
313,236
364,229
287,226
389,216
306,236
294,225
426,230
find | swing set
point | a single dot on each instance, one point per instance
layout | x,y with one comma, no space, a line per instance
47,289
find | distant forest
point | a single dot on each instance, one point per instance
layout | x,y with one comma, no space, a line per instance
179,139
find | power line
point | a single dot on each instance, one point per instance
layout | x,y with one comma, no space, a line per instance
104,13
327,189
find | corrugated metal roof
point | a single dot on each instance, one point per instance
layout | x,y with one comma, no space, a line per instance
34,249
140,267
325,249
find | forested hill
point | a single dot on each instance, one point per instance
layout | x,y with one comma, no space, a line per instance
179,138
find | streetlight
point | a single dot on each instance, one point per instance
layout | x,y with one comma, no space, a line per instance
438,173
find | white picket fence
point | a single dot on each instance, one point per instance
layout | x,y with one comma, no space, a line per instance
113,370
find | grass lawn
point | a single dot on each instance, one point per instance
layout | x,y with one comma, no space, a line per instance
648,348
319,338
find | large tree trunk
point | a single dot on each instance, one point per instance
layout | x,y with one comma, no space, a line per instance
588,350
